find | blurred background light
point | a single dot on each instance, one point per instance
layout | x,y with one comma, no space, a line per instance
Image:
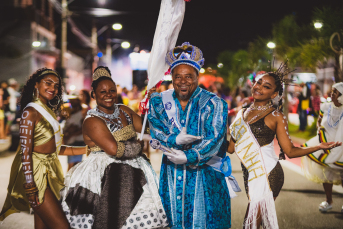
72,87
271,45
220,65
36,43
117,26
202,70
318,25
125,44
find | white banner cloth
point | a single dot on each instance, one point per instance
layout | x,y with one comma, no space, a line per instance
167,31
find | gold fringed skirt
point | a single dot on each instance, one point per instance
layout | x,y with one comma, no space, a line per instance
47,171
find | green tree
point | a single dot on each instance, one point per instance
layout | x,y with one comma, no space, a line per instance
332,23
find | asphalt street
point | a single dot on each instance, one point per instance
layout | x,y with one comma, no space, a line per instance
296,206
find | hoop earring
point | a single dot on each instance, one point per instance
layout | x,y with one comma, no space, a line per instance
37,94
55,105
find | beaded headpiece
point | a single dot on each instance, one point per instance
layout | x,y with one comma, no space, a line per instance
282,71
185,54
49,71
99,72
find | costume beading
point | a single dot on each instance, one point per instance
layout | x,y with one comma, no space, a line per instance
265,137
47,168
104,191
194,195
326,166
259,161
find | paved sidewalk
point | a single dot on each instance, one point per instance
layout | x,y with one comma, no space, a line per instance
296,206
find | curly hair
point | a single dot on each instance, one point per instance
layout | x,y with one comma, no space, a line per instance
279,87
28,91
101,78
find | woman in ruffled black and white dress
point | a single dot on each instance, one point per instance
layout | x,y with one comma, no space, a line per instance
115,187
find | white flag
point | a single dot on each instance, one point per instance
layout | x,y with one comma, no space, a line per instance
167,30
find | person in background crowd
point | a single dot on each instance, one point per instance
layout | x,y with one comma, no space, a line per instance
12,105
326,166
303,106
119,96
163,87
5,101
125,96
171,86
135,92
85,100
2,119
73,129
315,100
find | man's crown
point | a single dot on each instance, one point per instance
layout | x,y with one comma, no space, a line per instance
185,54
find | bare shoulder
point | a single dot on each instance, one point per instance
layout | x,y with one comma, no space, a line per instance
93,123
30,113
278,116
126,109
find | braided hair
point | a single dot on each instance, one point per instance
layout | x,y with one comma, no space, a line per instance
279,89
28,91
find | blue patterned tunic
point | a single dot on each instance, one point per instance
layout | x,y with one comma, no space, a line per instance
194,195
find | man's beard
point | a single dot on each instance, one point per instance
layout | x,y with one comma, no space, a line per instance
183,97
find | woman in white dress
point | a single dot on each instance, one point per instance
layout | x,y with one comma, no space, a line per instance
326,166
115,187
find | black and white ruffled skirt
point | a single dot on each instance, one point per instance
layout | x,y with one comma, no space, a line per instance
104,192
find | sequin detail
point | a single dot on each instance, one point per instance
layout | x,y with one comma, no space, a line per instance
263,134
276,179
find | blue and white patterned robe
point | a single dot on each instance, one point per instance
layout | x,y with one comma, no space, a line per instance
194,195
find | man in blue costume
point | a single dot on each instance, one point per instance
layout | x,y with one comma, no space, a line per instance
191,123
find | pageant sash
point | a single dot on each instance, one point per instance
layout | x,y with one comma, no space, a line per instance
260,195
219,164
53,122
170,107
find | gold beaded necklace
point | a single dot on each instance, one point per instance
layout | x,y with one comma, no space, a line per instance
262,109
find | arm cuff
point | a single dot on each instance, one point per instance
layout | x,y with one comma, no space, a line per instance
192,157
171,141
120,149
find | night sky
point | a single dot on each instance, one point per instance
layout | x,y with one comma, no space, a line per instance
212,25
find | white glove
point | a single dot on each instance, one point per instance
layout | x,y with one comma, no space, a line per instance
177,157
184,138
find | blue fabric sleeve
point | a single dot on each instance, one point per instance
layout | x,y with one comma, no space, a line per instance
215,127
160,128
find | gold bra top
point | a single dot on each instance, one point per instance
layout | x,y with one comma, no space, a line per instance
121,135
43,131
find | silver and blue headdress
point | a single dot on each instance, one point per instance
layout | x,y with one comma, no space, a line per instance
185,54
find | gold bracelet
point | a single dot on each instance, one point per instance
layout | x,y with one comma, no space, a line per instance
29,185
88,150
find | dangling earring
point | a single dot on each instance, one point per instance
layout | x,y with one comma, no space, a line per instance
55,105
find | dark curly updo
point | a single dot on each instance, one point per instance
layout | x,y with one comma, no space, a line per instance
279,88
29,87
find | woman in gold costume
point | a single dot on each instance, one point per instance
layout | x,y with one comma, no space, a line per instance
36,174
